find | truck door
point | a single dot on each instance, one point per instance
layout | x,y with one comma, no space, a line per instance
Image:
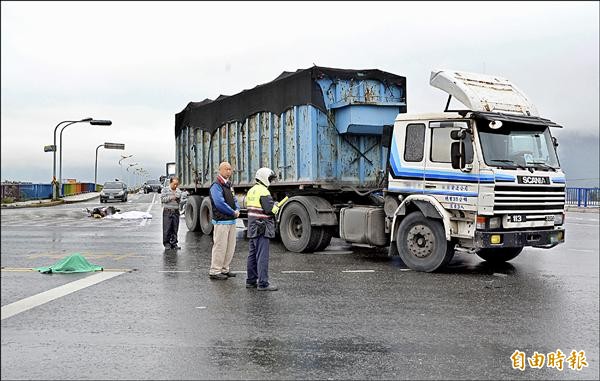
407,158
453,188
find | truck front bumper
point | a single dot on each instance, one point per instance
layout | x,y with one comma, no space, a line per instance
540,238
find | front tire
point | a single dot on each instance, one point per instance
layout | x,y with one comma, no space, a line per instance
500,255
422,244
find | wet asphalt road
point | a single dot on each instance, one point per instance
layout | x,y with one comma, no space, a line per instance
166,320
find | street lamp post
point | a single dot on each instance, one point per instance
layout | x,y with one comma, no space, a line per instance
106,146
123,157
94,122
56,183
129,177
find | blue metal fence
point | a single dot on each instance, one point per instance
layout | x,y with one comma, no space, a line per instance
23,192
583,197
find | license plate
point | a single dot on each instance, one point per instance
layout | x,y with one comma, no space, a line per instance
533,180
517,218
550,217
111,196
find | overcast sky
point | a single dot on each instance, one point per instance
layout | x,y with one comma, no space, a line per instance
139,63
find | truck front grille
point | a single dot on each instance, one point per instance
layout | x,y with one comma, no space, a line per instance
525,199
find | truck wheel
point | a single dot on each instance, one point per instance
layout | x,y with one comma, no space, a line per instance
500,255
192,213
325,239
422,244
206,216
296,233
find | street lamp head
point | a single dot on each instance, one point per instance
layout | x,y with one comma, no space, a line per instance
96,122
86,120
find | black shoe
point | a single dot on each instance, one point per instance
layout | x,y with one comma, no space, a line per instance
217,276
230,274
175,247
251,285
268,288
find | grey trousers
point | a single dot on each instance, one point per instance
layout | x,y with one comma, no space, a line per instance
170,226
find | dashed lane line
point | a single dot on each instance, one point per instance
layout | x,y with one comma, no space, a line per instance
358,271
298,272
55,293
148,210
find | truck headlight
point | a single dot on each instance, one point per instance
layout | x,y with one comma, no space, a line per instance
495,222
558,219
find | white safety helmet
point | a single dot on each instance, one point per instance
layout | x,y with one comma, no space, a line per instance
265,176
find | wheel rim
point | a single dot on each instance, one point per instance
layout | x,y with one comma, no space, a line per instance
420,241
295,227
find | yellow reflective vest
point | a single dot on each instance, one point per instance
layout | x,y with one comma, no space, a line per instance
261,219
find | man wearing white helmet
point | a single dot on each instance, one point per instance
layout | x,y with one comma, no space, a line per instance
261,226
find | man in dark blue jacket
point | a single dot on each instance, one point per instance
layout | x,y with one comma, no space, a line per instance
225,210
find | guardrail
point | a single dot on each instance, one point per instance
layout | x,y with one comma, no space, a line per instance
582,197
23,192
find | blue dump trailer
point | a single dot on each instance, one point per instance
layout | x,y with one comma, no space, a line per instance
485,179
319,129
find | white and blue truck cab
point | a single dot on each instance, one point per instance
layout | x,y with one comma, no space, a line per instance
485,179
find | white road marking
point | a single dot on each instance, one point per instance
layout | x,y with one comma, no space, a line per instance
201,307
148,210
174,271
584,250
358,271
297,272
55,293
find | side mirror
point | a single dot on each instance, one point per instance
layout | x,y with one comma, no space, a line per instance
554,142
457,155
458,134
386,137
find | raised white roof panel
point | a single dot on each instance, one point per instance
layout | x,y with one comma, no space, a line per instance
481,92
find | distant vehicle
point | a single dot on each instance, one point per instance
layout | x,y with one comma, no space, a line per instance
114,190
152,186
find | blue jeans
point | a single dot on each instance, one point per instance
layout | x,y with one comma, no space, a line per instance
258,261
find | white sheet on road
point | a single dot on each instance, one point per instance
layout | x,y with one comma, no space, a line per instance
133,215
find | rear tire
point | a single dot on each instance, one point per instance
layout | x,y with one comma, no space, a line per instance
422,244
192,213
206,216
500,255
295,230
325,239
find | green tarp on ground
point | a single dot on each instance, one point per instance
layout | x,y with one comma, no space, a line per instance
74,263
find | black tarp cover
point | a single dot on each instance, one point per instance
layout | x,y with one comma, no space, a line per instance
287,90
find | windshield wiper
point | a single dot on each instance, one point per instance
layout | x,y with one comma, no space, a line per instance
543,165
510,162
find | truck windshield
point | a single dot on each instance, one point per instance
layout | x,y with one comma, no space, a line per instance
518,146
